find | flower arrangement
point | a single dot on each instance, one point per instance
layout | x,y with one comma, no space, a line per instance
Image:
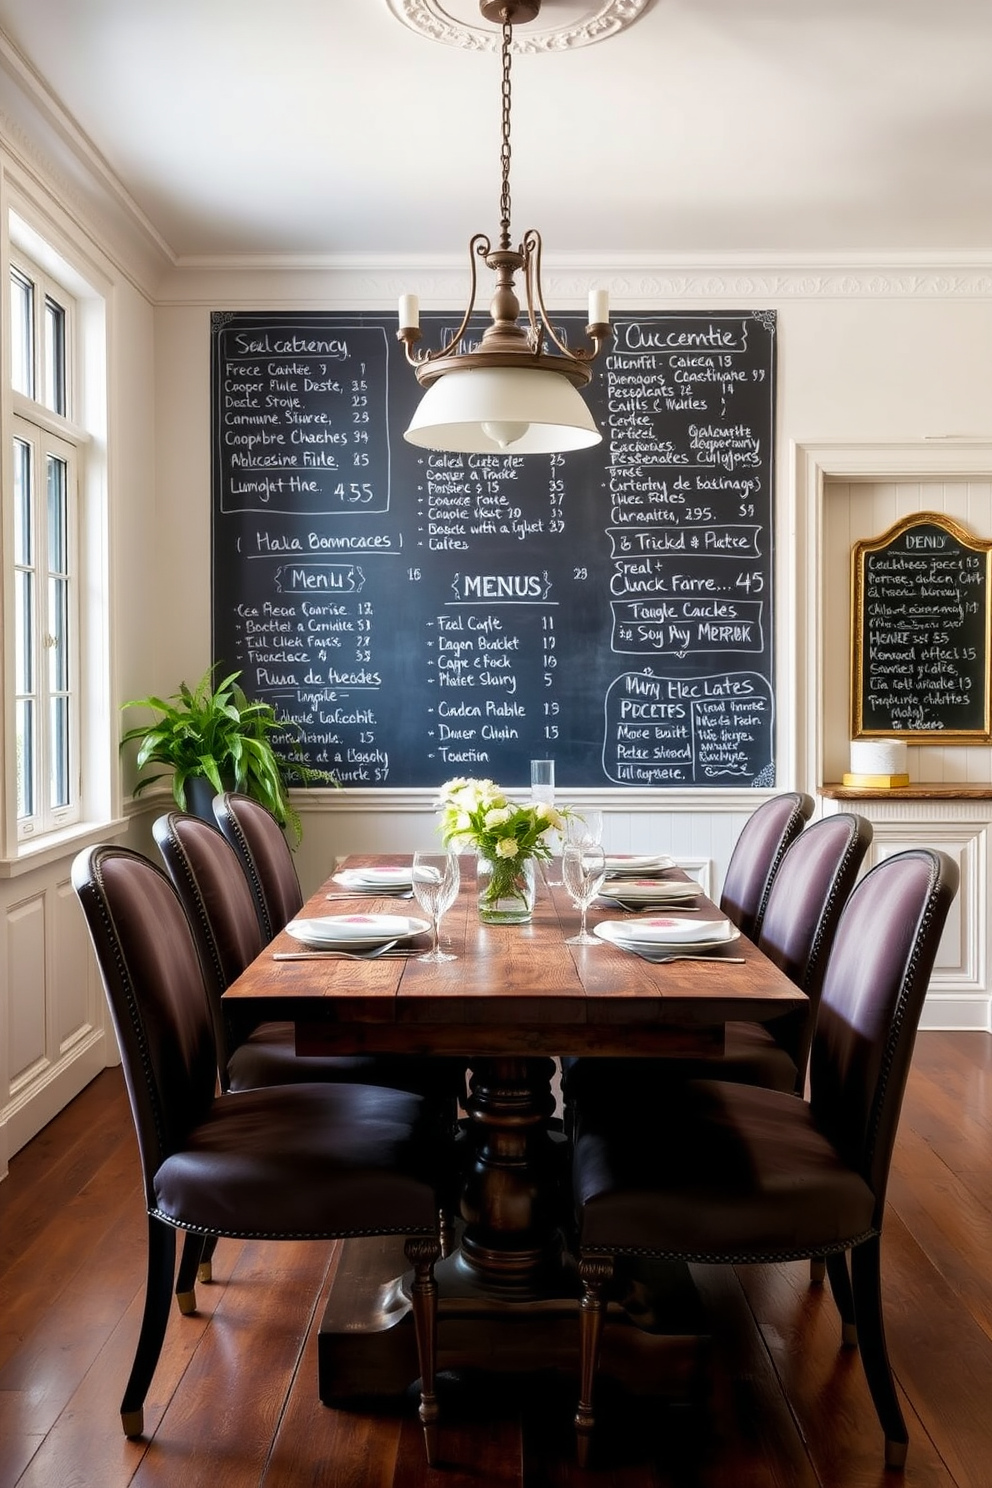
478,814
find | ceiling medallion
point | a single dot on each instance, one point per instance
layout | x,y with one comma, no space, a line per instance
577,23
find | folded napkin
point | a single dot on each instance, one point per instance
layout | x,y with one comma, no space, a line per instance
668,930
649,890
627,864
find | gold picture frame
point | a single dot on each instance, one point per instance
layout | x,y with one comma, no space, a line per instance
921,622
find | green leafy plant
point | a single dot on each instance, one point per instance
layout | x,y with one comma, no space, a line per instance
221,734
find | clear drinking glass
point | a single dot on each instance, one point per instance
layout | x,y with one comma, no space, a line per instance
436,878
542,790
542,781
583,869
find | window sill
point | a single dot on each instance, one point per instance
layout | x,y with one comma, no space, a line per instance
53,846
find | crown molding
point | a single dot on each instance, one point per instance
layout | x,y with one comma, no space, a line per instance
41,138
375,280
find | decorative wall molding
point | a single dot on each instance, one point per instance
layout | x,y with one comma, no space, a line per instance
575,23
375,280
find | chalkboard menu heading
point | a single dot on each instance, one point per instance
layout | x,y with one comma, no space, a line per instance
920,662
420,615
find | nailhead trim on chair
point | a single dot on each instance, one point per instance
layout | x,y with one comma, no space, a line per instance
730,1258
335,1234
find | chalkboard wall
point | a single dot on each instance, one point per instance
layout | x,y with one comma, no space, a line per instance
425,615
920,663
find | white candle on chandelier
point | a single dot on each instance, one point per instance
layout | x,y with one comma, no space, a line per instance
599,307
409,309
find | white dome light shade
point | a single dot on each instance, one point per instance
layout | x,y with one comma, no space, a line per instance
503,410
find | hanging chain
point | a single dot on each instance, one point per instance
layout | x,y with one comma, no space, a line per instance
504,154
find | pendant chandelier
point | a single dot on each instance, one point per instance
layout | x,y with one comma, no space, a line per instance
517,390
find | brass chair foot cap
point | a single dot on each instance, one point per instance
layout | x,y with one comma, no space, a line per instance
895,1453
849,1335
205,1272
187,1303
133,1422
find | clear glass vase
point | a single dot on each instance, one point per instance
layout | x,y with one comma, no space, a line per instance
506,890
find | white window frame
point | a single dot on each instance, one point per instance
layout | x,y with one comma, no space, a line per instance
48,815
50,434
78,284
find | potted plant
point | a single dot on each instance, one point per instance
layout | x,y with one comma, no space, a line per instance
216,739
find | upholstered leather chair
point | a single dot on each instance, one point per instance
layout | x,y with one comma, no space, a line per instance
810,889
757,853
265,859
309,1161
759,1175
207,876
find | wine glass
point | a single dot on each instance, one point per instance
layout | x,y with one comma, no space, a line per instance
436,878
583,869
584,828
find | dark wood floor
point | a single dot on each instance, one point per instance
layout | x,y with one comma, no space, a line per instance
234,1404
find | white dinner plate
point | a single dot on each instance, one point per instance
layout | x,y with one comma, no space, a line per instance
375,880
633,865
667,933
355,932
648,890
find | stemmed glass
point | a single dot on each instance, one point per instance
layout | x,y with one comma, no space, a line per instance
584,828
435,883
583,869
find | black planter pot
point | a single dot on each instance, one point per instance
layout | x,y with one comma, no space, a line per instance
199,797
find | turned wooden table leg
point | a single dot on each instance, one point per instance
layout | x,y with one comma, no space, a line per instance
510,1196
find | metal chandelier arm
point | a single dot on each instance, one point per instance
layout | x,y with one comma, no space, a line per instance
479,246
597,333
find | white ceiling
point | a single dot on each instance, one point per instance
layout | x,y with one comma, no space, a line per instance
707,127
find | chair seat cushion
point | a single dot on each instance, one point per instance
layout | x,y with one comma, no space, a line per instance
306,1161
723,1171
751,1056
268,1057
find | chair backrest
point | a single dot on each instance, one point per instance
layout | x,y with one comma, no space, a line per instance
876,980
154,985
265,858
757,853
206,873
807,894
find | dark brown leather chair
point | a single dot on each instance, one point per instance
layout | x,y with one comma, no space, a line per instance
809,891
265,858
759,1175
294,1162
757,853
214,892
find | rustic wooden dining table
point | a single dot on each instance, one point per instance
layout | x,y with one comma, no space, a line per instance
514,999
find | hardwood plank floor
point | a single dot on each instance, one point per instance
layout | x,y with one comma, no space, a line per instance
234,1402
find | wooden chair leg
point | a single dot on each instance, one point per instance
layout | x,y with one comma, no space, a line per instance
189,1269
422,1254
866,1280
595,1272
204,1271
840,1285
817,1270
158,1299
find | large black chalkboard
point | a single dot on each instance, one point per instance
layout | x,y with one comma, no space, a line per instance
427,615
920,654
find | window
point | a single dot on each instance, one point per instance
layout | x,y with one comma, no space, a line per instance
47,452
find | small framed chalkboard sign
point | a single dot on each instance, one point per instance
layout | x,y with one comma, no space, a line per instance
921,633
